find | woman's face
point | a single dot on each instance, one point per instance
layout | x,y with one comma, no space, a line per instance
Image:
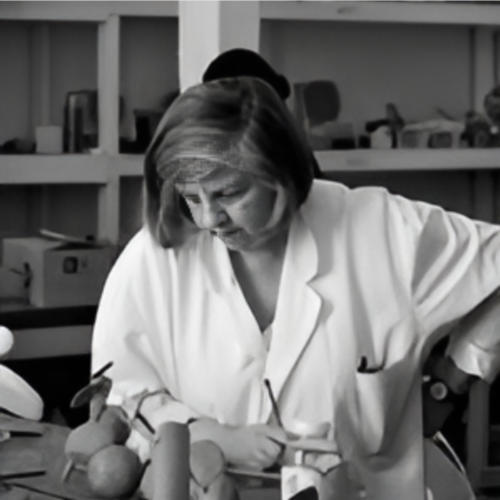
233,205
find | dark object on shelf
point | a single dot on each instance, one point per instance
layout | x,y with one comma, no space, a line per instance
477,133
17,147
373,125
317,106
440,140
395,122
344,143
392,120
81,129
492,108
317,102
364,142
146,122
492,105
80,121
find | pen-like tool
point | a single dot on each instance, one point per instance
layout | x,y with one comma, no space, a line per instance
276,411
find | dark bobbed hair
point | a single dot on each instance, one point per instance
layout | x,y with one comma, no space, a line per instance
244,62
238,123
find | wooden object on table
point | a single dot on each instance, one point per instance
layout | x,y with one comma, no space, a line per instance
170,463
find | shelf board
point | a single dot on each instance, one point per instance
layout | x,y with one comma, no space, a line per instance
126,165
83,11
99,169
467,13
53,169
367,160
400,160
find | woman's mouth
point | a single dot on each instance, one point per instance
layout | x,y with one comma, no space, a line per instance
225,233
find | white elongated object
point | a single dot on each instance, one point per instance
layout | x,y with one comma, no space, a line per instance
6,341
18,397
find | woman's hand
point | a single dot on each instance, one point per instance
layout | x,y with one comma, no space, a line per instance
255,446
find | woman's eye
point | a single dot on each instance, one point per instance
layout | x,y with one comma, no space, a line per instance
229,194
192,198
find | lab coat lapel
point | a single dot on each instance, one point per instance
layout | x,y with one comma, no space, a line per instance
298,305
222,283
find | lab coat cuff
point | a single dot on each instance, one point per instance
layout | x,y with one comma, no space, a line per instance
173,411
475,360
140,444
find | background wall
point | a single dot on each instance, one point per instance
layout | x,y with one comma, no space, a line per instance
149,65
15,81
417,67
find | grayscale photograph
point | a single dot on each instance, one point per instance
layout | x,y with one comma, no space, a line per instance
249,250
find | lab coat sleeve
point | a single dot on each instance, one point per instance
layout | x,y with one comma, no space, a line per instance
475,345
456,268
120,335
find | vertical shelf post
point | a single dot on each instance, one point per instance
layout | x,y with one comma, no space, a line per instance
208,28
108,213
482,65
108,78
483,187
108,84
40,75
483,80
40,99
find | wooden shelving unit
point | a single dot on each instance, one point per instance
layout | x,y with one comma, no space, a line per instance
106,169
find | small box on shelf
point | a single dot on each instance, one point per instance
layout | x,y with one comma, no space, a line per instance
60,274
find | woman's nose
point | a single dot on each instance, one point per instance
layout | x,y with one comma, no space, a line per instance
213,216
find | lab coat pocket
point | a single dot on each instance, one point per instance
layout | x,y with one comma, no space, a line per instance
380,400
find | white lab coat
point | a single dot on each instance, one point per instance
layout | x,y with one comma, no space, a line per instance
366,273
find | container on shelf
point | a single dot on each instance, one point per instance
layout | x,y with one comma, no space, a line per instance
60,273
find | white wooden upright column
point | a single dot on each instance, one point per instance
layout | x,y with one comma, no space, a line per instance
108,83
40,79
207,28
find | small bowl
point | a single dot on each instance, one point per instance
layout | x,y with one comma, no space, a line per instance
298,429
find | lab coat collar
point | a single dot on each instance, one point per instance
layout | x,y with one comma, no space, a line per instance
298,306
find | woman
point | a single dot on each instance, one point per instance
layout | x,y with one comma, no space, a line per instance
333,295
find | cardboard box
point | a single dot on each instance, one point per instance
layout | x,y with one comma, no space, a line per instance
60,273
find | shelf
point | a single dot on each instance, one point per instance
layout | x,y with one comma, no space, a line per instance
467,13
83,11
400,160
68,169
126,165
53,169
98,169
